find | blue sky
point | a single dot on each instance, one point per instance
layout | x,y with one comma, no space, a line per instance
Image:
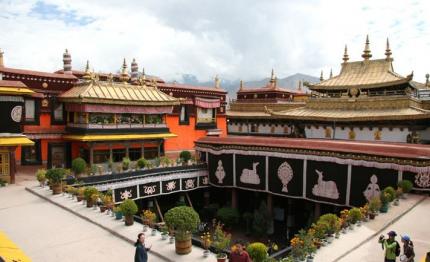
242,39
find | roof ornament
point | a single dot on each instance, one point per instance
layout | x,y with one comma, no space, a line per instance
273,79
366,53
427,80
322,76
345,55
134,70
217,82
300,86
388,51
110,78
331,72
87,73
67,63
241,85
1,58
124,77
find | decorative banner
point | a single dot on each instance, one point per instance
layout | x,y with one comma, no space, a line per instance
251,172
149,189
221,169
326,182
203,181
286,176
122,194
10,115
189,183
421,180
170,186
367,182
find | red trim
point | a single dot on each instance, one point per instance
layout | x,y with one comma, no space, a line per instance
207,102
36,73
10,83
118,109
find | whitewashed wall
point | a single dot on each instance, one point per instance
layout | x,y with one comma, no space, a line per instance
366,134
425,134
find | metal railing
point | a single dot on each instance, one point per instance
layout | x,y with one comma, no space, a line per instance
115,126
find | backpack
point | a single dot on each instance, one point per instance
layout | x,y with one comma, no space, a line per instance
397,249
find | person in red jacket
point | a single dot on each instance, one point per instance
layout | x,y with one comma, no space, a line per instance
240,254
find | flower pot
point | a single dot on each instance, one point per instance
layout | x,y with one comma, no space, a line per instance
145,228
79,198
171,240
396,202
153,232
372,215
343,230
118,215
129,220
310,259
221,257
163,236
57,189
384,208
329,239
359,223
337,235
206,253
103,209
183,246
351,226
90,203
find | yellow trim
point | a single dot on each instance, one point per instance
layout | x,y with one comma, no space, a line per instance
89,138
10,251
15,141
15,91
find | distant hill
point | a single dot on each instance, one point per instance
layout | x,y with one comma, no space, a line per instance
231,86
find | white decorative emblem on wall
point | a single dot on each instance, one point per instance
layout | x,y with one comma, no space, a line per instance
149,190
220,173
205,180
189,183
171,186
372,189
285,174
250,176
422,179
126,194
323,188
16,113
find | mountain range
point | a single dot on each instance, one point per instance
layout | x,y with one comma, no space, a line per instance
231,86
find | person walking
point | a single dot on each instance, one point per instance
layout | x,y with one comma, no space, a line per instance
239,255
391,246
408,250
141,254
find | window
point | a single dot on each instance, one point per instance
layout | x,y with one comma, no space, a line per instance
154,119
205,115
183,116
31,154
57,113
150,152
100,156
118,155
254,128
134,153
30,111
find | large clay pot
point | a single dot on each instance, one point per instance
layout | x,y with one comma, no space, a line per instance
183,247
90,203
221,258
129,220
57,189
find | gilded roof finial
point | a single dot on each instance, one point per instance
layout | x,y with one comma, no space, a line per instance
134,70
1,58
322,76
388,50
67,63
345,55
331,72
124,77
241,85
366,53
217,82
300,86
87,73
427,80
273,79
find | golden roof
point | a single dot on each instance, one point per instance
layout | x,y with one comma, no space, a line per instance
109,92
91,138
15,140
363,74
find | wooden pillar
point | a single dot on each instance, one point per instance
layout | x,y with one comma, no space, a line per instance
143,150
87,118
270,204
127,147
159,150
91,153
110,153
317,211
234,198
12,164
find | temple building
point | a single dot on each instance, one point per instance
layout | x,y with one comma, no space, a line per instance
247,114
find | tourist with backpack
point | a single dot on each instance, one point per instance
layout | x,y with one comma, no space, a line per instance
391,246
408,250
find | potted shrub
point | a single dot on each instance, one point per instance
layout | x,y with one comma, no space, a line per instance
88,193
406,186
164,232
78,166
164,161
56,176
257,251
41,176
221,241
206,243
128,209
118,213
80,195
298,248
185,156
125,163
354,215
385,200
229,216
142,163
364,212
374,206
148,217
331,220
184,220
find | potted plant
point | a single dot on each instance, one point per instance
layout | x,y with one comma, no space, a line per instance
125,163
56,176
257,251
88,193
206,243
385,200
118,213
78,166
95,199
185,156
164,161
164,232
229,216
399,193
142,163
298,248
331,220
344,215
128,209
41,176
406,187
221,241
184,220
354,215
374,206
148,217
364,211
80,195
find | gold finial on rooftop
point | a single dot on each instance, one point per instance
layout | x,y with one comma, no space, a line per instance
124,77
1,58
427,80
300,86
345,55
87,73
322,76
366,53
273,79
241,85
388,50
217,82
331,72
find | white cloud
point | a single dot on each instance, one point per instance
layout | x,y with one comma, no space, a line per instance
236,39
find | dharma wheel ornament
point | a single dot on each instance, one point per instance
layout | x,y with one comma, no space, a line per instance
285,174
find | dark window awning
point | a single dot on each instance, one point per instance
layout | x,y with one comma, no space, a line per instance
207,102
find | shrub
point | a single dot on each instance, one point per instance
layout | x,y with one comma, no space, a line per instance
128,207
354,215
89,191
165,161
183,219
261,219
320,229
41,175
257,251
229,216
331,220
392,193
78,165
375,204
185,156
142,162
385,197
55,175
221,239
125,163
405,185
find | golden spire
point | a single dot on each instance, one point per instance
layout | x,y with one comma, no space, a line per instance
345,55
331,72
388,51
87,73
300,86
1,58
241,85
427,80
366,53
321,76
217,82
124,77
273,79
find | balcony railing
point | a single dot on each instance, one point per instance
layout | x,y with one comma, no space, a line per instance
115,126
